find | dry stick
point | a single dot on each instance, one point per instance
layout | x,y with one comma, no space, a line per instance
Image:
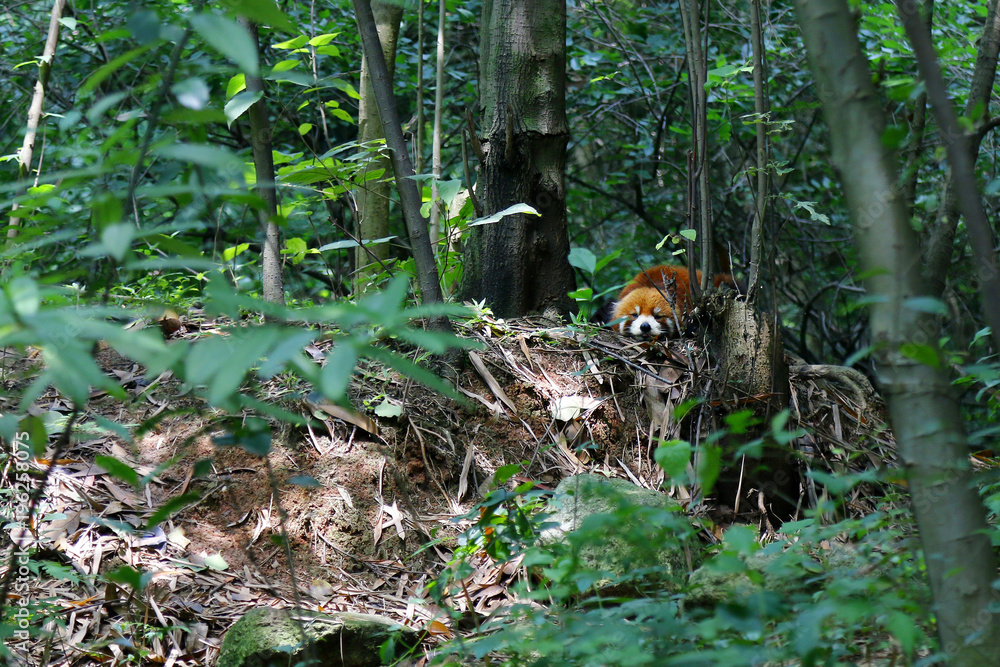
263,161
35,110
416,224
970,203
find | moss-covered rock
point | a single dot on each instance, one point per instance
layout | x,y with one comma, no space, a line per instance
629,537
266,637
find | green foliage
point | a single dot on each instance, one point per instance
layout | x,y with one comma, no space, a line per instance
806,598
589,266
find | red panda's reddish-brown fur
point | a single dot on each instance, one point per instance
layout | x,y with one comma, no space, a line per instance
646,311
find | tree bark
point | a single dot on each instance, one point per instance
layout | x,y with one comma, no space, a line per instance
519,265
923,408
373,195
402,167
963,171
700,201
35,110
940,246
437,206
762,108
263,161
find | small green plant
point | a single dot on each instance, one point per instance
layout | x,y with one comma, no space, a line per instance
587,263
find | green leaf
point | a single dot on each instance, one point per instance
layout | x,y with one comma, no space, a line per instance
346,87
583,259
173,245
336,374
206,155
323,40
232,252
144,26
25,298
924,354
72,371
237,82
342,115
435,342
448,190
294,43
388,410
351,243
254,438
689,234
173,505
239,103
409,369
710,465
34,428
673,456
117,240
105,209
604,261
510,210
905,629
103,72
296,249
130,577
118,469
927,304
191,93
217,562
228,38
264,12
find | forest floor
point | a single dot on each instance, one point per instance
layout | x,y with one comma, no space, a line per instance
370,501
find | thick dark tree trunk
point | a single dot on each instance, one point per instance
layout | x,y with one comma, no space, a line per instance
519,264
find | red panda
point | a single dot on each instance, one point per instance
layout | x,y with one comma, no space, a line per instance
647,313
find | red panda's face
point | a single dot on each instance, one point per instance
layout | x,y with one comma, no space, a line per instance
646,313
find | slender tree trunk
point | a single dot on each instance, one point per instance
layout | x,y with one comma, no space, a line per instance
911,171
941,245
373,195
963,170
436,206
923,408
761,107
416,224
701,202
35,110
520,265
263,161
418,136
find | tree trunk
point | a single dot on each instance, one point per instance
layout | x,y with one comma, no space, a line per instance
373,196
923,408
941,245
437,206
272,287
402,167
963,171
519,264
